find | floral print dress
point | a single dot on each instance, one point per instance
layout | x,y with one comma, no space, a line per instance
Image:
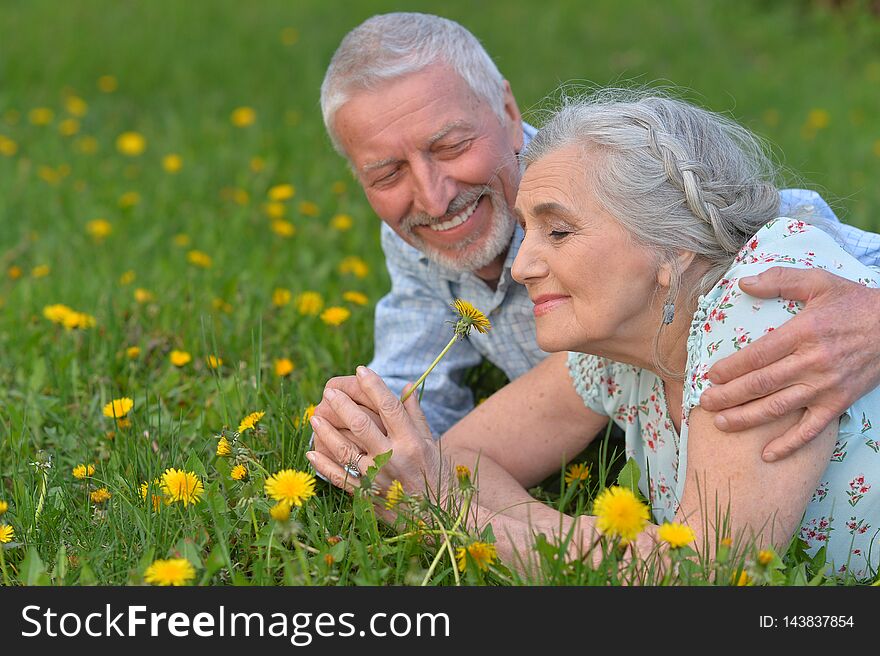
844,512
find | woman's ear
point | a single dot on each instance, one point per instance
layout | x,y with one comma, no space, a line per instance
680,264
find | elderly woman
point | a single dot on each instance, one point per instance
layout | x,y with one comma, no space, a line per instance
641,214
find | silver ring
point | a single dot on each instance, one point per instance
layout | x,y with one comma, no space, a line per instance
351,468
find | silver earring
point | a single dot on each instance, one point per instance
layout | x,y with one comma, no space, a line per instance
668,312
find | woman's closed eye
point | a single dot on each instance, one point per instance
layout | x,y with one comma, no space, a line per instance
559,235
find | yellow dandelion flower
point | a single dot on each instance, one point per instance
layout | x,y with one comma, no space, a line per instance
129,199
127,277
118,408
469,317
308,208
281,192
68,127
181,240
131,144
283,367
240,197
157,500
4,506
290,486
309,303
354,265
132,352
8,147
280,512
175,571
338,187
238,473
14,272
275,210
224,448
765,557
172,163
726,542
125,422
41,271
676,535
742,580
393,494
7,534
107,84
619,513
242,117
199,259
99,228
356,297
41,116
87,145
100,495
142,295
283,228
79,320
250,421
341,222
307,414
213,362
462,473
818,119
481,554
182,486
221,305
257,164
56,312
75,106
335,316
83,471
289,36
180,358
577,473
329,559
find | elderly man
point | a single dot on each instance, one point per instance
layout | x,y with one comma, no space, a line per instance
432,132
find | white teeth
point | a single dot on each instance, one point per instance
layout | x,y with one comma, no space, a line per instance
456,220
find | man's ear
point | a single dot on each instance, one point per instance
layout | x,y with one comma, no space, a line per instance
514,118
681,262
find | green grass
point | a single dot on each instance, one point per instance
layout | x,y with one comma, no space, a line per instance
182,68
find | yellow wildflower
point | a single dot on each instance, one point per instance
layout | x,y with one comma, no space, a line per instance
157,500
78,320
41,116
99,228
68,127
354,265
818,119
129,199
334,316
221,305
213,362
242,117
338,187
83,471
619,513
341,222
180,358
257,164
250,421
765,557
127,277
356,297
275,210
283,228
14,272
107,84
481,554
394,494
283,367
7,534
172,163
308,208
183,486
142,295
132,352
742,580
175,571
4,506
75,106
239,473
577,473
309,303
224,448
463,473
280,512
131,144
290,486
281,192
118,408
676,535
8,147
469,317
199,259
56,313
181,240
100,495
307,414
41,271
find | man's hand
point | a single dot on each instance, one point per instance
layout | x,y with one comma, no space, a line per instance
822,360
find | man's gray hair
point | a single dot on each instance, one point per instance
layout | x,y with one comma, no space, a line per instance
389,46
675,176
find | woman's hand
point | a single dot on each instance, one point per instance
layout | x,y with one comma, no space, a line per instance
415,462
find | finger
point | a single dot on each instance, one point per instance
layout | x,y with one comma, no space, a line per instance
751,385
771,347
787,282
389,407
414,409
757,413
364,430
350,386
333,472
801,434
339,447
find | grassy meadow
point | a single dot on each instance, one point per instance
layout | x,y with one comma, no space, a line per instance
167,190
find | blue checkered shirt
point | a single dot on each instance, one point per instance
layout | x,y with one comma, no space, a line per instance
413,319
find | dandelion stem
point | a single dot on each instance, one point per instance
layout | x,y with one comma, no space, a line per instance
448,546
425,375
3,566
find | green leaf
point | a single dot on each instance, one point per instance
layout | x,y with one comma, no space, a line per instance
60,571
87,576
193,464
629,476
33,570
378,462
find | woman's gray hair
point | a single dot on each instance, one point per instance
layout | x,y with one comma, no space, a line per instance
676,177
389,46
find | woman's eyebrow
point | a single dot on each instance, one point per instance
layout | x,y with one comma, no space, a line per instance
553,208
